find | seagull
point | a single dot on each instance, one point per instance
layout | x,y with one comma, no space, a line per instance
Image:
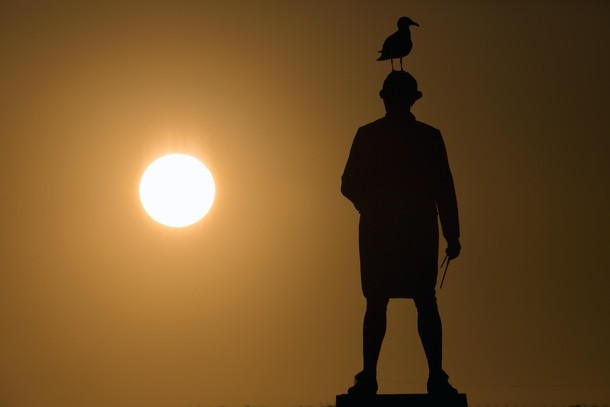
399,44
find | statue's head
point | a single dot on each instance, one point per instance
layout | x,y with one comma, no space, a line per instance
399,90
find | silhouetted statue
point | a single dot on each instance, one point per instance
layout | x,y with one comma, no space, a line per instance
398,178
399,44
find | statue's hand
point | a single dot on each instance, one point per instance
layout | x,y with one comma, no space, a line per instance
453,248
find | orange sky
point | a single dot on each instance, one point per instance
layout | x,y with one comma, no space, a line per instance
260,302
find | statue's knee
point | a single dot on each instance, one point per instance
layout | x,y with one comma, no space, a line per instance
377,305
426,304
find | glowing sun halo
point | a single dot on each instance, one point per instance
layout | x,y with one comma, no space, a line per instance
177,190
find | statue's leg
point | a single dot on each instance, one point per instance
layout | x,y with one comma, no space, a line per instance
431,335
430,331
374,329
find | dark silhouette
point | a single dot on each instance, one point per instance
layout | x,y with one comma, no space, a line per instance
399,44
398,178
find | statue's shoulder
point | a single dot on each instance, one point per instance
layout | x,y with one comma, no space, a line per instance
426,128
372,127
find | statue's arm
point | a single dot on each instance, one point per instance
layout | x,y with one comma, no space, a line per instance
353,180
446,199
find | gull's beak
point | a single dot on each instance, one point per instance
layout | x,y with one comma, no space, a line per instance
414,23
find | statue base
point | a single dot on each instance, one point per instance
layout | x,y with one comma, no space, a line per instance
402,400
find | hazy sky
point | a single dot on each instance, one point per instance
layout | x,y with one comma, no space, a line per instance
260,302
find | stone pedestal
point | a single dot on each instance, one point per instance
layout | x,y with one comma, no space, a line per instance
402,400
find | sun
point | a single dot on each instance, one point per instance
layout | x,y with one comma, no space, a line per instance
177,190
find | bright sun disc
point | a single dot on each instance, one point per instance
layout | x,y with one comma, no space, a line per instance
177,190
